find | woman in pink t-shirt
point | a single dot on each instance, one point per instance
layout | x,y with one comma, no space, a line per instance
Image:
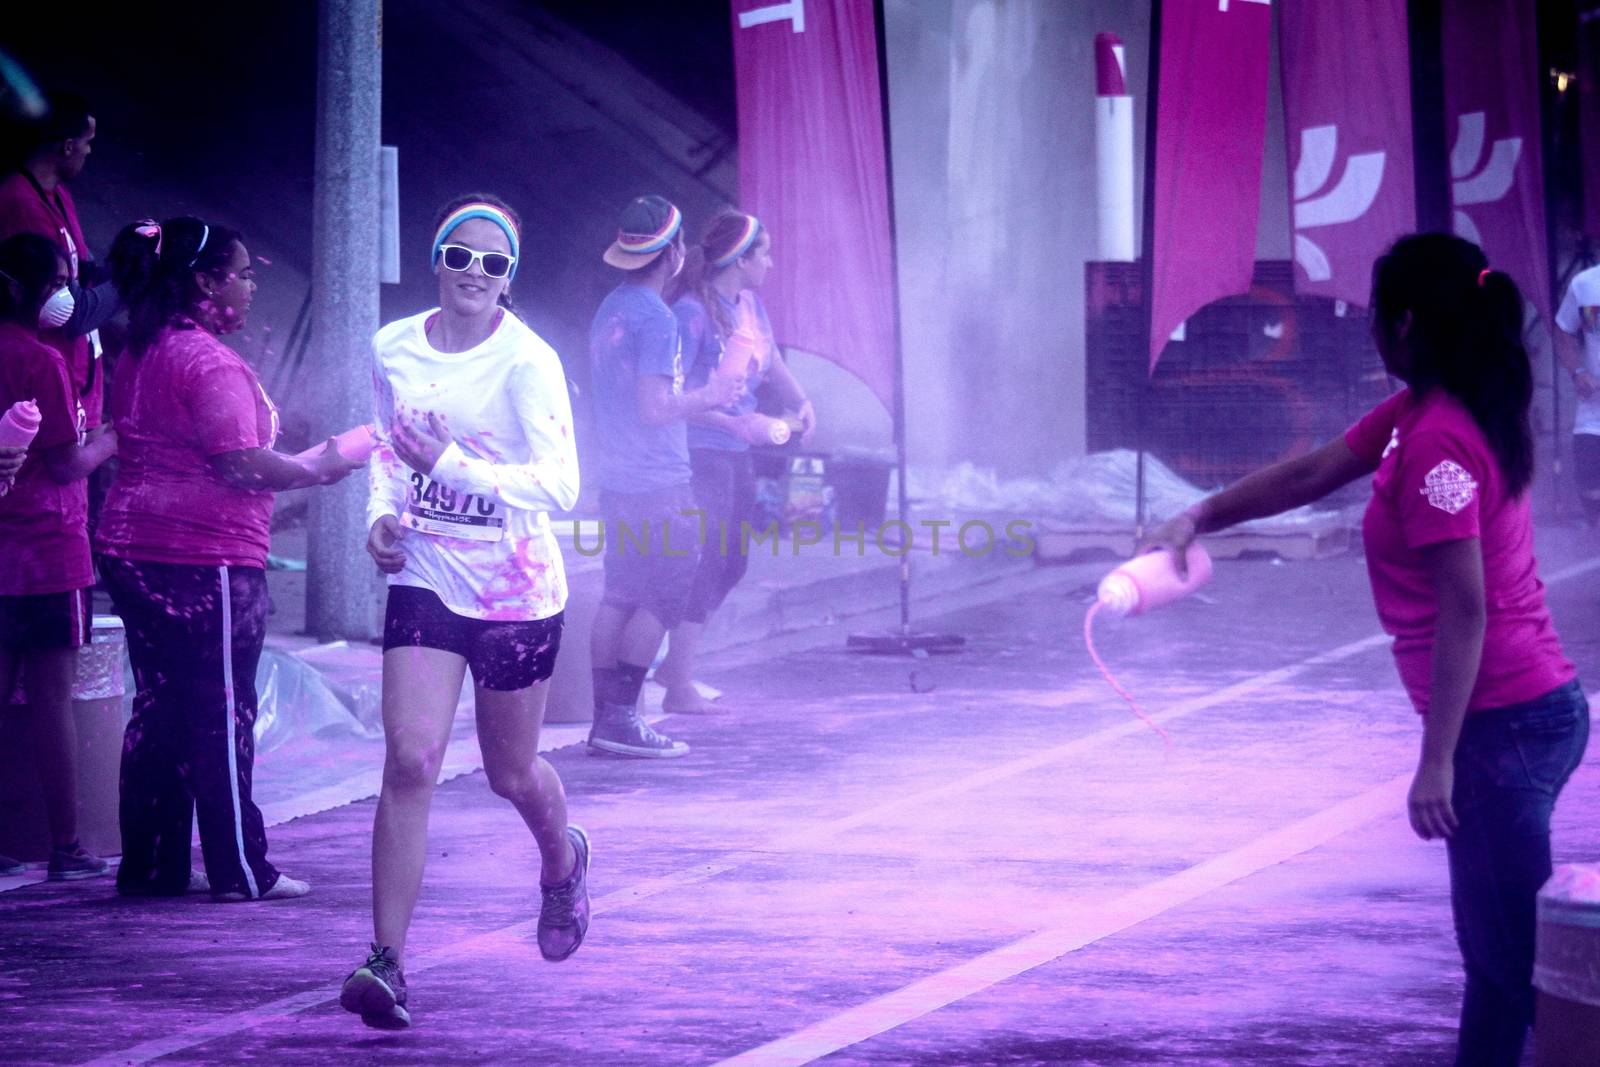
183,539
44,541
1449,540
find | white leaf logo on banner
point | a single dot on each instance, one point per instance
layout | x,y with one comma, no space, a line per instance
790,11
1347,201
1476,179
1449,487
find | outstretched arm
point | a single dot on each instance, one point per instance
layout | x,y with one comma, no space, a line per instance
1269,491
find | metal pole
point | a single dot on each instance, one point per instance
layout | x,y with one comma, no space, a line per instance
1147,266
1430,139
341,584
899,412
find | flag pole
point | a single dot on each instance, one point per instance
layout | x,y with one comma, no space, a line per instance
1147,268
904,639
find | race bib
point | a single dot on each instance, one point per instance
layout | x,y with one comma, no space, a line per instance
441,511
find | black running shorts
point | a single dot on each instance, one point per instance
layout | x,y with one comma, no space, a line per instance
45,621
501,655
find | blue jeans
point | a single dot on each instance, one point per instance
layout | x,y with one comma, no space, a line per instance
1510,764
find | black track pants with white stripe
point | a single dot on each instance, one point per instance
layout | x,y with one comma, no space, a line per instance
194,636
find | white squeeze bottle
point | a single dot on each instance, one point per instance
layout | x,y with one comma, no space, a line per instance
356,444
1149,581
1143,583
20,424
18,427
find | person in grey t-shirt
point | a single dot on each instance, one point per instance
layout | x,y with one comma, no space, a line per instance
646,504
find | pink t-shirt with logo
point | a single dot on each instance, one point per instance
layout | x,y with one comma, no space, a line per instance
44,526
1438,480
189,398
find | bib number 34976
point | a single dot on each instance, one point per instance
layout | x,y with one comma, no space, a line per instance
439,510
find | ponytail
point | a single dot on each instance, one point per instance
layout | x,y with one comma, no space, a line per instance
1465,338
730,235
153,267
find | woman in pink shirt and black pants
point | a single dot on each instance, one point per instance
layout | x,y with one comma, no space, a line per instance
1449,540
183,540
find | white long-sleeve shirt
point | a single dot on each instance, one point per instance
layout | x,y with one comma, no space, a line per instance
477,532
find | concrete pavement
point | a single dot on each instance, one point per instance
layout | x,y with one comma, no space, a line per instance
970,859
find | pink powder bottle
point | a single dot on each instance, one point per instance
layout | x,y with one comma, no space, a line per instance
1149,581
18,427
356,443
20,424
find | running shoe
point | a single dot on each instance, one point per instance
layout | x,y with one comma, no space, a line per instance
285,888
376,991
564,910
9,867
618,731
71,863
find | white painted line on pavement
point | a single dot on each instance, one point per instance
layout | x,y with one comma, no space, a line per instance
227,1025
1078,928
211,1029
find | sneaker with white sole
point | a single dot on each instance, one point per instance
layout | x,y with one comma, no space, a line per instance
564,908
619,731
198,883
73,862
285,888
376,991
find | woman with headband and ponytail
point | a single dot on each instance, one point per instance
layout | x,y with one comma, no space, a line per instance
183,539
1449,540
476,448
723,323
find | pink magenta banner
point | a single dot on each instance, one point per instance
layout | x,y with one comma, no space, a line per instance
812,167
1491,106
1347,116
1211,127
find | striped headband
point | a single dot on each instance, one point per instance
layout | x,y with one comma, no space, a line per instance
478,211
752,230
642,244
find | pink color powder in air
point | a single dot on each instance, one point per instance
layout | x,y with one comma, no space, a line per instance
1088,640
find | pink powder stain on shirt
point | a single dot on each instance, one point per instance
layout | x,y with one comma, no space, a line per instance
515,579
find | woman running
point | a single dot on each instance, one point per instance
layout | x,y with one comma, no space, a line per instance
477,449
722,321
183,538
1449,541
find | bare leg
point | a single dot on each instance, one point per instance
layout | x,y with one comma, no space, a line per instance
420,689
640,639
55,738
677,670
605,635
508,733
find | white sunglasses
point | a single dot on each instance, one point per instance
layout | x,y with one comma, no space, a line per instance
460,258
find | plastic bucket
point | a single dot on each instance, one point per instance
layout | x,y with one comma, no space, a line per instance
861,490
97,692
1566,969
